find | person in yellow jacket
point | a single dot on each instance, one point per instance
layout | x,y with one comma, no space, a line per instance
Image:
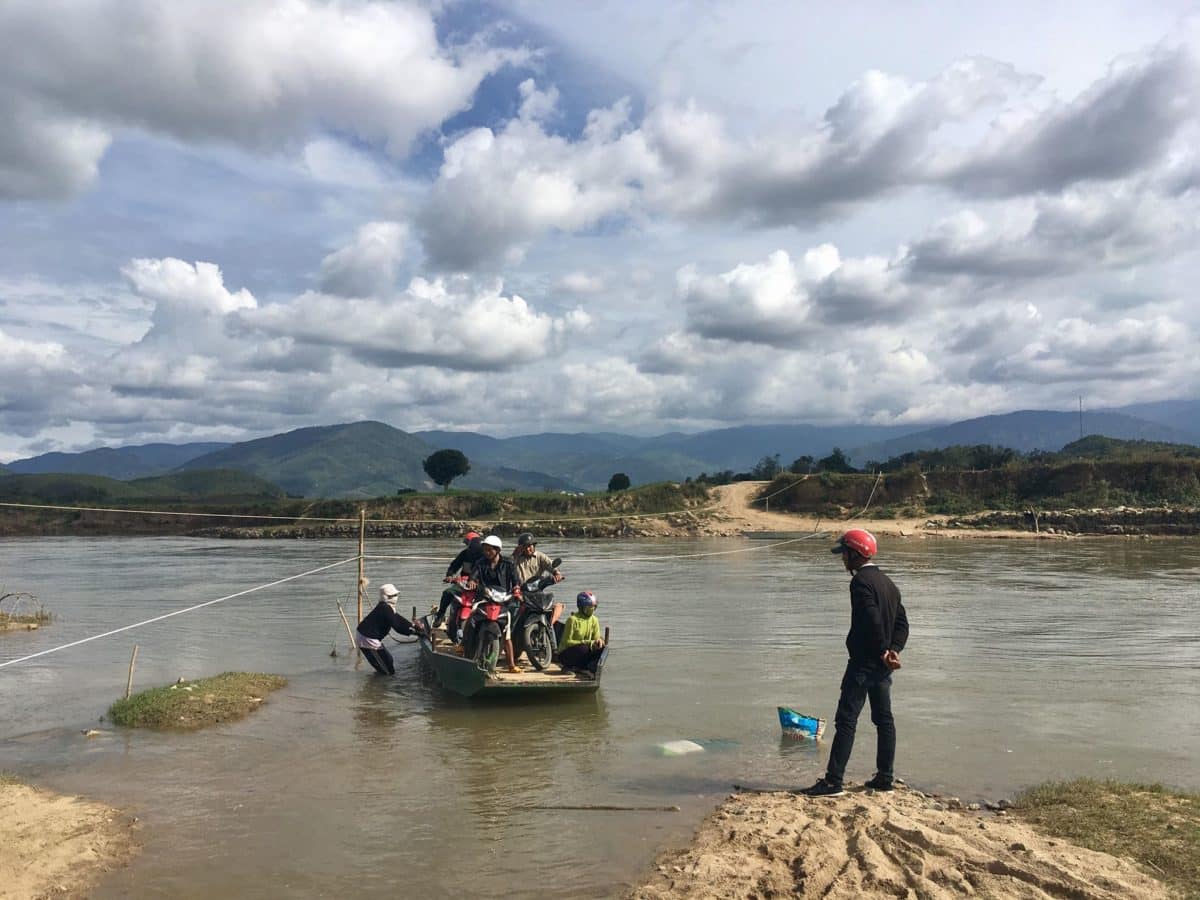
581,645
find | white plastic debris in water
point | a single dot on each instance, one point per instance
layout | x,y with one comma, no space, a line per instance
679,748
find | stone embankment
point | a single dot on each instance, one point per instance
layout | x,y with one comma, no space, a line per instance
631,527
1121,520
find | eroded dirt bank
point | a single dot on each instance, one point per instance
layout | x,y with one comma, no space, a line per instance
876,845
57,846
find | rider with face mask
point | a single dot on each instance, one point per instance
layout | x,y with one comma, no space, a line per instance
581,645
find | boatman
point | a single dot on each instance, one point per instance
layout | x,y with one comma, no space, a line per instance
375,627
878,632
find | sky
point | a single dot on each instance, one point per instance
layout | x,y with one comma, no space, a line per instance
223,220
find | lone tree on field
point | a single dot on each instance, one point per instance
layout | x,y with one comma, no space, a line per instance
443,466
619,482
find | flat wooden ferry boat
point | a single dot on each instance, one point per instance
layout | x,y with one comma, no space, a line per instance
465,678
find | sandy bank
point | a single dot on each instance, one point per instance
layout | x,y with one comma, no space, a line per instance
872,845
57,846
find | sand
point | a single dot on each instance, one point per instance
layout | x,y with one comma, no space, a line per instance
872,845
735,514
57,846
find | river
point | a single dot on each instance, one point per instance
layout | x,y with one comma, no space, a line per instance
1029,660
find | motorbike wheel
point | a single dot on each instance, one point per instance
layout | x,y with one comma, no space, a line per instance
489,652
539,644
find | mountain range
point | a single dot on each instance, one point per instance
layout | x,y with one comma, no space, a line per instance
368,459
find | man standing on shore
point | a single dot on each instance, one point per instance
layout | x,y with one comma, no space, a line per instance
878,632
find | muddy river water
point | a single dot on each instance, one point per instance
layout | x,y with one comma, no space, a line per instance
1028,661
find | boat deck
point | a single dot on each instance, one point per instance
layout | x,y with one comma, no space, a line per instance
553,676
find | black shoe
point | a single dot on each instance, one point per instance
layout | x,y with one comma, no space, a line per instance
823,788
879,783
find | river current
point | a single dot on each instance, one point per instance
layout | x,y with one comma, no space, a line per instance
1027,661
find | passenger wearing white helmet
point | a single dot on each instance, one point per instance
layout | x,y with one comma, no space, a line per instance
375,627
494,571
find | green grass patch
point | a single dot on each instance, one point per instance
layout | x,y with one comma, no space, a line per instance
195,704
1158,828
7,779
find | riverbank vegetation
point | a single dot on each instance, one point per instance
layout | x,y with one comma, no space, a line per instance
408,514
187,705
1158,828
1095,472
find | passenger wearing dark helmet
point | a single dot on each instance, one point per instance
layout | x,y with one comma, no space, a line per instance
531,562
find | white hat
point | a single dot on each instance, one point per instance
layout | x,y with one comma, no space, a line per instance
388,593
492,541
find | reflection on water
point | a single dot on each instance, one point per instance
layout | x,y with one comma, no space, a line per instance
1027,661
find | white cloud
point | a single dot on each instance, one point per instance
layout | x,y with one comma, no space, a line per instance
581,283
366,267
263,74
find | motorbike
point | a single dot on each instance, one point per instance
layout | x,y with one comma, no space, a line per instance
533,621
491,615
461,607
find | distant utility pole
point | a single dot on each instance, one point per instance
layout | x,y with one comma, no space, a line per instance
1081,417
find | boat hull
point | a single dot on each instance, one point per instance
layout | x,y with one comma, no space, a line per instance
463,677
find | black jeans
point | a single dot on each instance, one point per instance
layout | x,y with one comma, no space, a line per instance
380,660
862,682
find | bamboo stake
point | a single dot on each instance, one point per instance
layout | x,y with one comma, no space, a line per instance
129,680
346,622
362,537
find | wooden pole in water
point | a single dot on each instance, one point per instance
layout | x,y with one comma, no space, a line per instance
346,622
362,537
129,680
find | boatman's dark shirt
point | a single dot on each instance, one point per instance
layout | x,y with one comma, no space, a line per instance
470,555
878,621
378,622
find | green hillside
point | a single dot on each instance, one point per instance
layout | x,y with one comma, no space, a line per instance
360,459
220,485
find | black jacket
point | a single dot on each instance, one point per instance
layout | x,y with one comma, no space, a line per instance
878,621
470,555
382,619
503,577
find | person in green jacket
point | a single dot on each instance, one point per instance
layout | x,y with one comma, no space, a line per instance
581,645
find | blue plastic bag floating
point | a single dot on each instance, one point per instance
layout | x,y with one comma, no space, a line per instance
799,726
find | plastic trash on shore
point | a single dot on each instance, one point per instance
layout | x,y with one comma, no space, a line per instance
798,726
679,748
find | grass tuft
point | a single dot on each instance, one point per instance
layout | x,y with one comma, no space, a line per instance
7,779
1156,827
195,704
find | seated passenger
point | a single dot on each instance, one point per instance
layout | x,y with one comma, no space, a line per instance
461,564
532,562
494,571
375,627
581,644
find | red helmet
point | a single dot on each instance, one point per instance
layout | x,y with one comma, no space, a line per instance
861,542
470,536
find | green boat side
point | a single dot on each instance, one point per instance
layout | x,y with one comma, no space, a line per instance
461,676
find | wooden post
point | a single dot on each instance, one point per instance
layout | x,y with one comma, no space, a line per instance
362,537
346,622
129,680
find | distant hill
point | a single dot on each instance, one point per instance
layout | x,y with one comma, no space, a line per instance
1024,431
199,485
1182,415
358,459
122,463
1095,446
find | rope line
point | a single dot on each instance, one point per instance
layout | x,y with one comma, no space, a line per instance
178,612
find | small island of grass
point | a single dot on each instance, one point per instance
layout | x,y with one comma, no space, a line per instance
15,618
1156,827
188,705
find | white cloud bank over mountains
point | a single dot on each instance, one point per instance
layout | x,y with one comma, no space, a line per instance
932,245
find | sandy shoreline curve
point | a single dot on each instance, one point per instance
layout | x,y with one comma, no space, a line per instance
56,845
866,844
